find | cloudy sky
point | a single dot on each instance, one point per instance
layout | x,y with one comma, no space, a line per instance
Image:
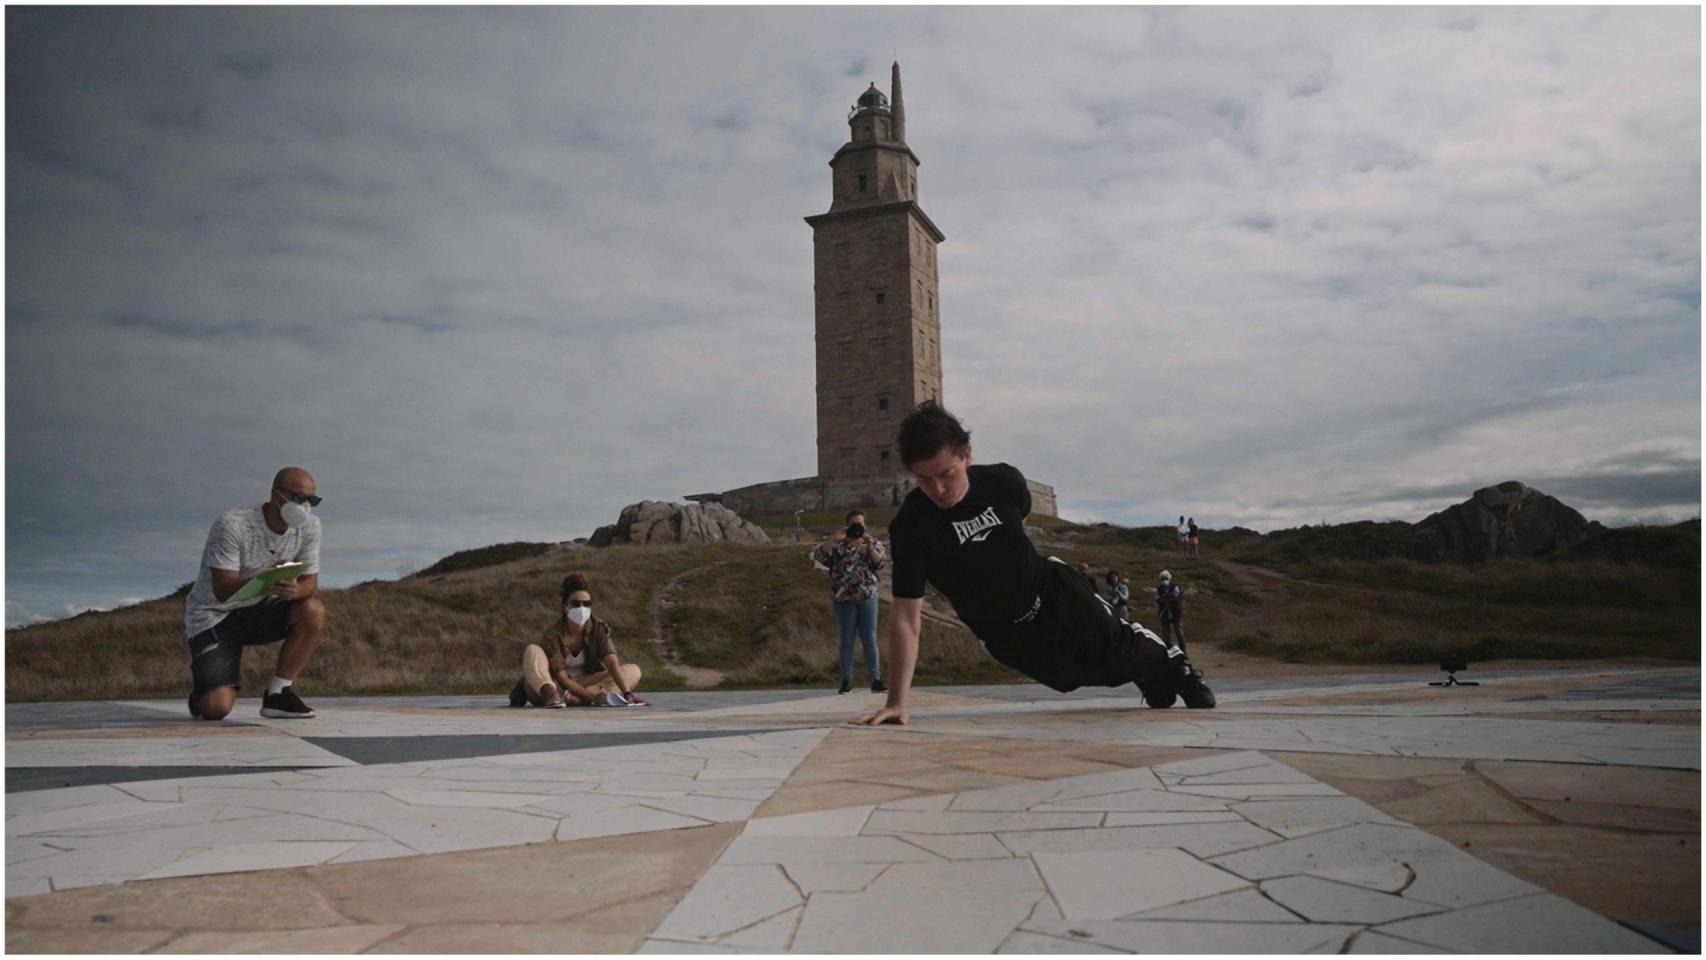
493,274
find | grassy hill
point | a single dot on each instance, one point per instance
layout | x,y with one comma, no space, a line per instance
760,614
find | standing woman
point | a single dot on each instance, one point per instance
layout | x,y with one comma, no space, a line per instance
1118,595
575,661
853,560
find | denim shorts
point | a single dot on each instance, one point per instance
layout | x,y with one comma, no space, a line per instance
216,654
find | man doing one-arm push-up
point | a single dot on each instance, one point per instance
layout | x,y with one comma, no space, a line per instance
962,530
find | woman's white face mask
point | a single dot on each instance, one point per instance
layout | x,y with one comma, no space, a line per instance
578,615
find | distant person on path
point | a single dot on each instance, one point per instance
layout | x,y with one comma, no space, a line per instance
242,543
1118,595
1170,607
962,530
575,662
1192,522
1184,536
853,560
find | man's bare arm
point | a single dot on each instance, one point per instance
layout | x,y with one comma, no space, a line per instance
225,583
906,619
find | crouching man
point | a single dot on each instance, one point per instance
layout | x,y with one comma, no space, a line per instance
243,543
962,530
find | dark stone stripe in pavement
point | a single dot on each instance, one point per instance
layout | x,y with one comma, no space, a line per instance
662,701
1673,686
1682,941
372,750
25,779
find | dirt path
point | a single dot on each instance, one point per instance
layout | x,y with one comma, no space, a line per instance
663,632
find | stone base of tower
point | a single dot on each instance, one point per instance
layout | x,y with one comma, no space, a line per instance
817,494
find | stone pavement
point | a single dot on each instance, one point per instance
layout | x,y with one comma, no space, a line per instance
1546,811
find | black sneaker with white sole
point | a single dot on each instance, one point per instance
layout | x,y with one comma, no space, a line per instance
285,705
878,686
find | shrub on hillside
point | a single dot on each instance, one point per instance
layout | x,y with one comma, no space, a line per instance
486,557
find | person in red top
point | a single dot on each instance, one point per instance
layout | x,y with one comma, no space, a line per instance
962,531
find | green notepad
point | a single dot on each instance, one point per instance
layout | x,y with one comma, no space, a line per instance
265,579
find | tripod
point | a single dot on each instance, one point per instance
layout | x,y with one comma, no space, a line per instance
1452,681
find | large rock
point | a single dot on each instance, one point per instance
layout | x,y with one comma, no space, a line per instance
653,521
1511,519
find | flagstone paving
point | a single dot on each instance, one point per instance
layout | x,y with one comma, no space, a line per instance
1551,810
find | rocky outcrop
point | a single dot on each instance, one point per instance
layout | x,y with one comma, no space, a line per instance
1508,520
653,521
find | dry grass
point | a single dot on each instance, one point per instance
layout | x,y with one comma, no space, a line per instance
761,614
764,619
450,633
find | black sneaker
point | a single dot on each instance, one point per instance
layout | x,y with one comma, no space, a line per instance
878,686
846,686
193,714
1195,691
285,705
518,696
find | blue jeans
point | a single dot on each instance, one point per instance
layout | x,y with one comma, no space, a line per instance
860,615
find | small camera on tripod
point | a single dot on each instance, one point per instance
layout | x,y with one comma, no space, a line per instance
1451,663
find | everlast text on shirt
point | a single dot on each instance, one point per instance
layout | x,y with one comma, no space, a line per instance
977,528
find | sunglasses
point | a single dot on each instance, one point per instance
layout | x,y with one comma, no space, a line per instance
295,497
580,603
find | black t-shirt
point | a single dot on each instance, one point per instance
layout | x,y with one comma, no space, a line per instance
976,553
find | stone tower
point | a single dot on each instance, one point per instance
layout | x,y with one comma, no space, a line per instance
878,329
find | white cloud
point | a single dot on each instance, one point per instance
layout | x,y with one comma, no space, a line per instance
493,274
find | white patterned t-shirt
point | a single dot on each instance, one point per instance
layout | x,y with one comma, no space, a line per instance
240,540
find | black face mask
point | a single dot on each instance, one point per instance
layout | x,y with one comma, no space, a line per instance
855,530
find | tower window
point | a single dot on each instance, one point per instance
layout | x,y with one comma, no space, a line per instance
881,296
861,183
885,456
912,185
883,404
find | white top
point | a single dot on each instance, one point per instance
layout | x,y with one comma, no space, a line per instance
1184,529
240,540
574,663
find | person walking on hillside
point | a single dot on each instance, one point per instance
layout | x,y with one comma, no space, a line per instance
242,544
962,530
575,661
1170,607
1192,523
1184,536
853,559
1118,595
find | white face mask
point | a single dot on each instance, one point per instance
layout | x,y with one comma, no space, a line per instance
295,514
579,615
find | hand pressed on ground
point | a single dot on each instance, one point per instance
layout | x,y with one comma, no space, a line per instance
895,715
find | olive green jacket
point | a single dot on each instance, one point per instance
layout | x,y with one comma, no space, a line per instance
555,640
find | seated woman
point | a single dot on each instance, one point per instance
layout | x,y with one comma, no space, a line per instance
574,662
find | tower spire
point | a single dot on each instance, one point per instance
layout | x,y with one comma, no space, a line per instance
895,108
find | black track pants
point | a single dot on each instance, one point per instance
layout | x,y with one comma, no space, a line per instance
1075,640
